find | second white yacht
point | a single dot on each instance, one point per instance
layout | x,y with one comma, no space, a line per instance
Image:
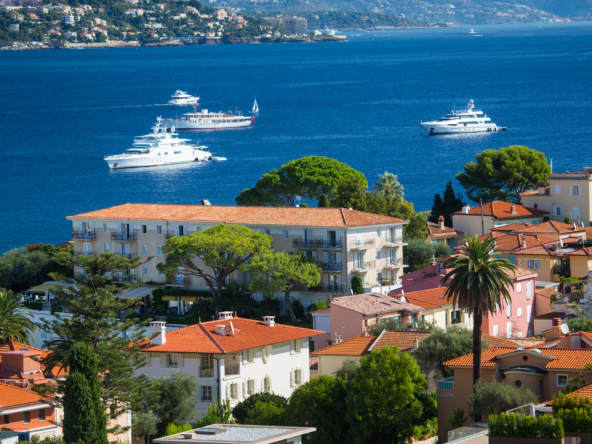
469,120
159,148
182,98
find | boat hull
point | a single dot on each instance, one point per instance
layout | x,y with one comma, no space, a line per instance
435,128
207,124
117,163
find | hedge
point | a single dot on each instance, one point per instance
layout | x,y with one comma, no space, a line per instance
574,411
518,426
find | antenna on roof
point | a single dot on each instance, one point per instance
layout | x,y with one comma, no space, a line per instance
565,329
231,327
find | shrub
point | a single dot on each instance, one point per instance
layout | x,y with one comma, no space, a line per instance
318,305
457,418
567,220
518,426
298,309
268,307
419,253
324,201
173,429
546,219
441,250
349,368
241,411
574,411
357,285
496,397
580,324
264,413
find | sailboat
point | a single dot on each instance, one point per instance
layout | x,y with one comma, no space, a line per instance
255,109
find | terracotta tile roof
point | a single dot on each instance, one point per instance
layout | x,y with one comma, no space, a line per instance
503,210
373,303
218,214
550,226
541,250
435,231
249,333
514,241
547,292
512,227
528,342
402,339
11,396
33,377
313,363
357,346
564,358
427,299
551,315
521,272
492,235
585,392
496,341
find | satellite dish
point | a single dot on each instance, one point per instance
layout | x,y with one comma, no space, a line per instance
565,329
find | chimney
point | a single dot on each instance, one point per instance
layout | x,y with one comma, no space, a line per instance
555,331
542,187
205,202
221,330
25,361
225,315
270,321
513,209
465,209
536,206
523,242
441,222
574,226
415,344
160,328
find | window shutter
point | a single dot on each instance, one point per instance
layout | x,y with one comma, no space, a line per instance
176,230
185,230
226,392
291,379
163,359
180,360
245,389
528,313
337,236
325,237
325,257
245,356
92,227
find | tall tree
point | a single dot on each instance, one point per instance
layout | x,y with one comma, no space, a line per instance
176,399
419,253
480,284
144,424
79,411
324,201
308,177
503,174
15,322
224,249
388,184
445,207
284,272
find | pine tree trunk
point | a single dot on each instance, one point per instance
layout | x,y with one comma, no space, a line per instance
477,328
290,309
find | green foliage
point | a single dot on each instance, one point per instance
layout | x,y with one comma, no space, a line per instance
574,411
79,421
348,369
495,397
298,309
546,219
266,414
457,418
218,413
519,426
441,250
503,174
580,324
442,346
158,293
173,429
419,254
308,177
446,206
176,399
144,424
223,248
242,409
236,298
318,305
357,285
567,220
269,306
394,324
15,323
324,201
388,185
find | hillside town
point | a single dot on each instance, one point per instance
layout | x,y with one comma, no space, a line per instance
318,309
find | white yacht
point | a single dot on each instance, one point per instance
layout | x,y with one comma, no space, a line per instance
469,120
206,119
472,31
159,148
182,98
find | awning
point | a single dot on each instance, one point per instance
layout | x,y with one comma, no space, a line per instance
139,292
188,298
169,298
46,287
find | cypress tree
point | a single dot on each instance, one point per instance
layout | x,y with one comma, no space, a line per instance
79,410
324,201
83,360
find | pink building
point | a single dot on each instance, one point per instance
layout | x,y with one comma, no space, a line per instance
423,279
350,316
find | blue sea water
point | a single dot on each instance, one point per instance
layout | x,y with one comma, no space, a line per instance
360,102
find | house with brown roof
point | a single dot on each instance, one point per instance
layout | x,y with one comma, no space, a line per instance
346,243
231,358
350,316
495,214
441,233
554,230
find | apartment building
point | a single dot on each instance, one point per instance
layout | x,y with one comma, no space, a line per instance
346,243
568,194
294,25
231,358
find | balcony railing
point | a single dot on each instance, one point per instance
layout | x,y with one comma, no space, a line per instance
85,253
206,373
361,244
83,234
397,262
237,282
316,243
336,288
331,266
364,265
123,236
446,384
232,370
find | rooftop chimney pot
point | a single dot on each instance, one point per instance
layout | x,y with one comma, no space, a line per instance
205,202
269,321
225,315
513,209
441,222
466,209
160,328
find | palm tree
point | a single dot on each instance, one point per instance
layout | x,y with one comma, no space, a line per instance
14,322
389,185
479,283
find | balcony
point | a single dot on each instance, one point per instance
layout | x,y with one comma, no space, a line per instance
336,288
123,236
85,253
332,243
331,266
232,370
446,384
363,266
206,373
395,263
361,244
83,234
307,243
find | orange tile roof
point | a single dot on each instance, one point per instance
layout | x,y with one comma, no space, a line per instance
219,214
541,250
427,299
31,377
550,226
585,392
373,303
435,231
496,341
313,363
11,396
564,358
512,227
514,241
357,346
249,333
551,315
402,339
503,210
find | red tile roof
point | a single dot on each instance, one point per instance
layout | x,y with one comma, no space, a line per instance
219,214
435,231
11,396
514,241
427,299
550,226
402,339
313,363
249,333
512,227
496,341
551,315
373,303
32,377
585,392
357,346
503,210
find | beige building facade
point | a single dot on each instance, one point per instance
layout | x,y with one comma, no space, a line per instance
344,242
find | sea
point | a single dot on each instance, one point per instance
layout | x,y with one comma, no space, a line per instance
359,101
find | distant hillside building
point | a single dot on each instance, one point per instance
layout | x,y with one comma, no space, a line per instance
294,25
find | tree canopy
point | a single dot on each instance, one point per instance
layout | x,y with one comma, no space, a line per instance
493,398
503,174
308,177
446,206
389,185
419,253
15,322
176,399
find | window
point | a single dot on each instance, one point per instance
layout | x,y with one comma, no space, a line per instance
533,264
557,189
6,419
534,221
575,190
297,377
519,287
159,229
378,232
519,312
509,330
562,380
518,383
233,391
575,342
159,251
528,290
540,388
557,211
250,355
495,330
378,254
145,271
285,234
145,250
105,229
379,277
268,232
206,393
26,418
250,387
144,229
106,248
509,309
296,346
266,385
525,358
206,363
173,360
160,273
